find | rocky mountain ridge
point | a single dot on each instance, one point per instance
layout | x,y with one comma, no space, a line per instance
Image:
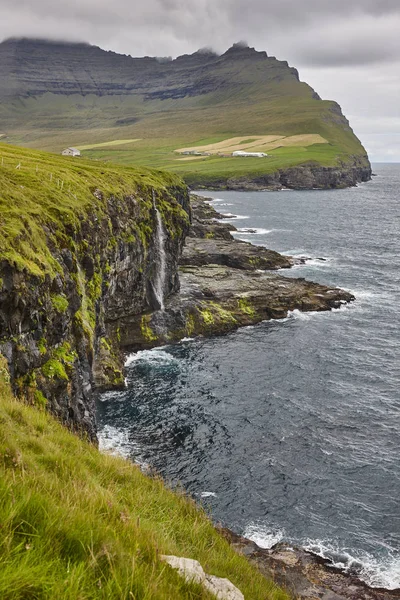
35,67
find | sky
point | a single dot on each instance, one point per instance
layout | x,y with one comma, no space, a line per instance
347,50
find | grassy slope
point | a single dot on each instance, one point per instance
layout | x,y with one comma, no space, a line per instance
56,191
254,98
77,524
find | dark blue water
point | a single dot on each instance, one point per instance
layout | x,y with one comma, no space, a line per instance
290,429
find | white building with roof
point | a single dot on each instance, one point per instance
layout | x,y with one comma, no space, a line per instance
241,153
71,152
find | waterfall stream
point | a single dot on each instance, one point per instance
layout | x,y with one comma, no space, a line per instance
161,273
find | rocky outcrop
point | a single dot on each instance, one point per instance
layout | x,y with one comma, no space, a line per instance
215,300
54,329
210,241
225,284
304,575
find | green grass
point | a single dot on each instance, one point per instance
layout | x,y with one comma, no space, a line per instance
40,189
80,525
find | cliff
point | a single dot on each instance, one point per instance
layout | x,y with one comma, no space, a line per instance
79,249
145,110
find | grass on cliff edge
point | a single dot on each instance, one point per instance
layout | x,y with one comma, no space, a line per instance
38,189
77,524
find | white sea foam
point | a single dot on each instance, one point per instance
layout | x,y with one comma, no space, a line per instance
208,495
114,441
255,231
155,356
263,536
375,572
301,316
230,216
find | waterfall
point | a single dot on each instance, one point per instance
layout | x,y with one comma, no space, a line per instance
161,273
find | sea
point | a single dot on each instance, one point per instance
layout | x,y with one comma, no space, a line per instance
289,430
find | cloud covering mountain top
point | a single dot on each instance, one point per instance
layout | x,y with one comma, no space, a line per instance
348,50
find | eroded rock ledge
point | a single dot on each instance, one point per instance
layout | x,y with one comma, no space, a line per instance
225,284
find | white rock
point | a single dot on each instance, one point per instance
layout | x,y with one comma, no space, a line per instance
191,570
223,589
188,568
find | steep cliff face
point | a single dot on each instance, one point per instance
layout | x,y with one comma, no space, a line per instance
301,177
56,314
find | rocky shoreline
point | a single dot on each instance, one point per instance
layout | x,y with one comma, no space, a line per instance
304,575
224,284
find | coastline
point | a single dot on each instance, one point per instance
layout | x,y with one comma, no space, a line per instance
225,284
211,246
303,574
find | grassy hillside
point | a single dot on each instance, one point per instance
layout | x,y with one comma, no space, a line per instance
79,525
144,110
38,188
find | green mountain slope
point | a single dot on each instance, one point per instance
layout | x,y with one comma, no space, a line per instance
56,95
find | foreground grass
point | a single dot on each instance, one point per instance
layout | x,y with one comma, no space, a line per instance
78,524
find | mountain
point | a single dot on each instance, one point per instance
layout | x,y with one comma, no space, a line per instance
186,115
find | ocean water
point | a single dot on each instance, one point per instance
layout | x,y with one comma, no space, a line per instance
290,430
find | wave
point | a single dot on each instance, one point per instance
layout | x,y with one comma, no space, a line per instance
255,231
263,536
229,216
156,357
116,441
376,572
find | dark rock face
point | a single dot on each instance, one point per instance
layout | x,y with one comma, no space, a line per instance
304,177
225,284
231,253
304,575
57,333
35,67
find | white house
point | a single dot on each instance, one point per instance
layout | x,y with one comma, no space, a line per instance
241,153
71,152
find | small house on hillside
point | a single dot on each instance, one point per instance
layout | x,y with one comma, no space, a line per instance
241,153
71,152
